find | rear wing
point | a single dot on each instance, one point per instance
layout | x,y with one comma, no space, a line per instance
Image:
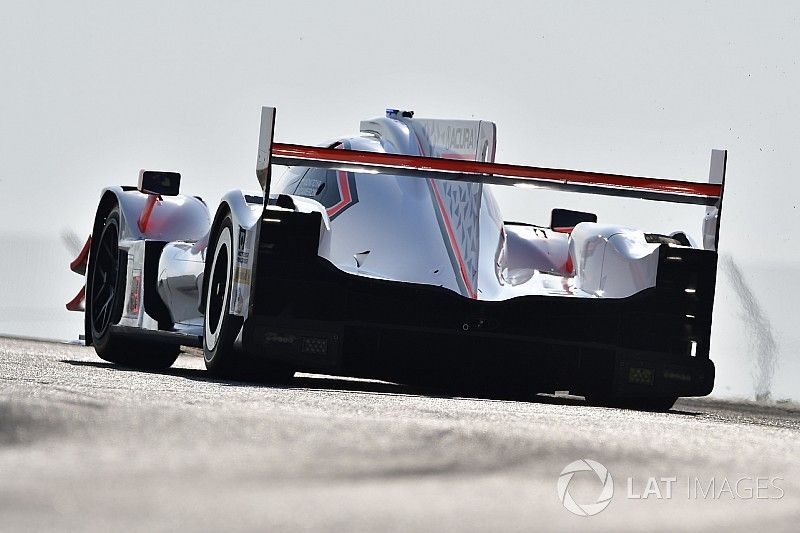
708,194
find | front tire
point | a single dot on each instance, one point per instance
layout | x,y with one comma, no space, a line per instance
105,298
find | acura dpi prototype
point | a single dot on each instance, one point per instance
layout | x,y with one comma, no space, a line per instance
384,255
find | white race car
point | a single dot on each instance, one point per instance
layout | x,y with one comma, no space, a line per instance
383,255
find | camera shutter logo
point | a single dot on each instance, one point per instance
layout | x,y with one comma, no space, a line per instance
585,509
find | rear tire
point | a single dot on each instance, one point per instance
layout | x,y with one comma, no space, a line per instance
220,328
104,301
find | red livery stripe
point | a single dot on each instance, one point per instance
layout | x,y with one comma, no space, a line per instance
518,172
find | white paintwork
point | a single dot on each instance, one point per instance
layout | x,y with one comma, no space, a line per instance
174,218
395,222
529,250
394,232
180,279
457,206
612,262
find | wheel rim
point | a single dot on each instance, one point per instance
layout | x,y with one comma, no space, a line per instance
218,289
104,280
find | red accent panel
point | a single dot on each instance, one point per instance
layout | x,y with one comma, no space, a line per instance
477,167
76,304
568,265
144,218
344,189
78,265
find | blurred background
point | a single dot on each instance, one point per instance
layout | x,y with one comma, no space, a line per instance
92,92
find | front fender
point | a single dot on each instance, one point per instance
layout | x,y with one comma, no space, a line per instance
244,214
173,218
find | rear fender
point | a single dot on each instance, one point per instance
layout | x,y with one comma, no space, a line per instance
245,216
308,205
612,261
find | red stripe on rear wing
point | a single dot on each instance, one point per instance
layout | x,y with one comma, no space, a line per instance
685,192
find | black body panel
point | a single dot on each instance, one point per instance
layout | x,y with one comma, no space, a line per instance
322,319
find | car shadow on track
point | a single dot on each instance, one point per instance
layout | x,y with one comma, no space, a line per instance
339,384
303,381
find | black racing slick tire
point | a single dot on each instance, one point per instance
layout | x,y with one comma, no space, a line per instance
220,328
105,297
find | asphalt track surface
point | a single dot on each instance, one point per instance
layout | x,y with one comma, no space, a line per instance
88,446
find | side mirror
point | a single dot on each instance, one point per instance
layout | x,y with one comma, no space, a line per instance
159,182
565,219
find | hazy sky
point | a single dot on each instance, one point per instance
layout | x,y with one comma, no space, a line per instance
93,91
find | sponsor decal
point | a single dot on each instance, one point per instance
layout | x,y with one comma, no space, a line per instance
452,135
242,273
134,294
275,338
242,253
